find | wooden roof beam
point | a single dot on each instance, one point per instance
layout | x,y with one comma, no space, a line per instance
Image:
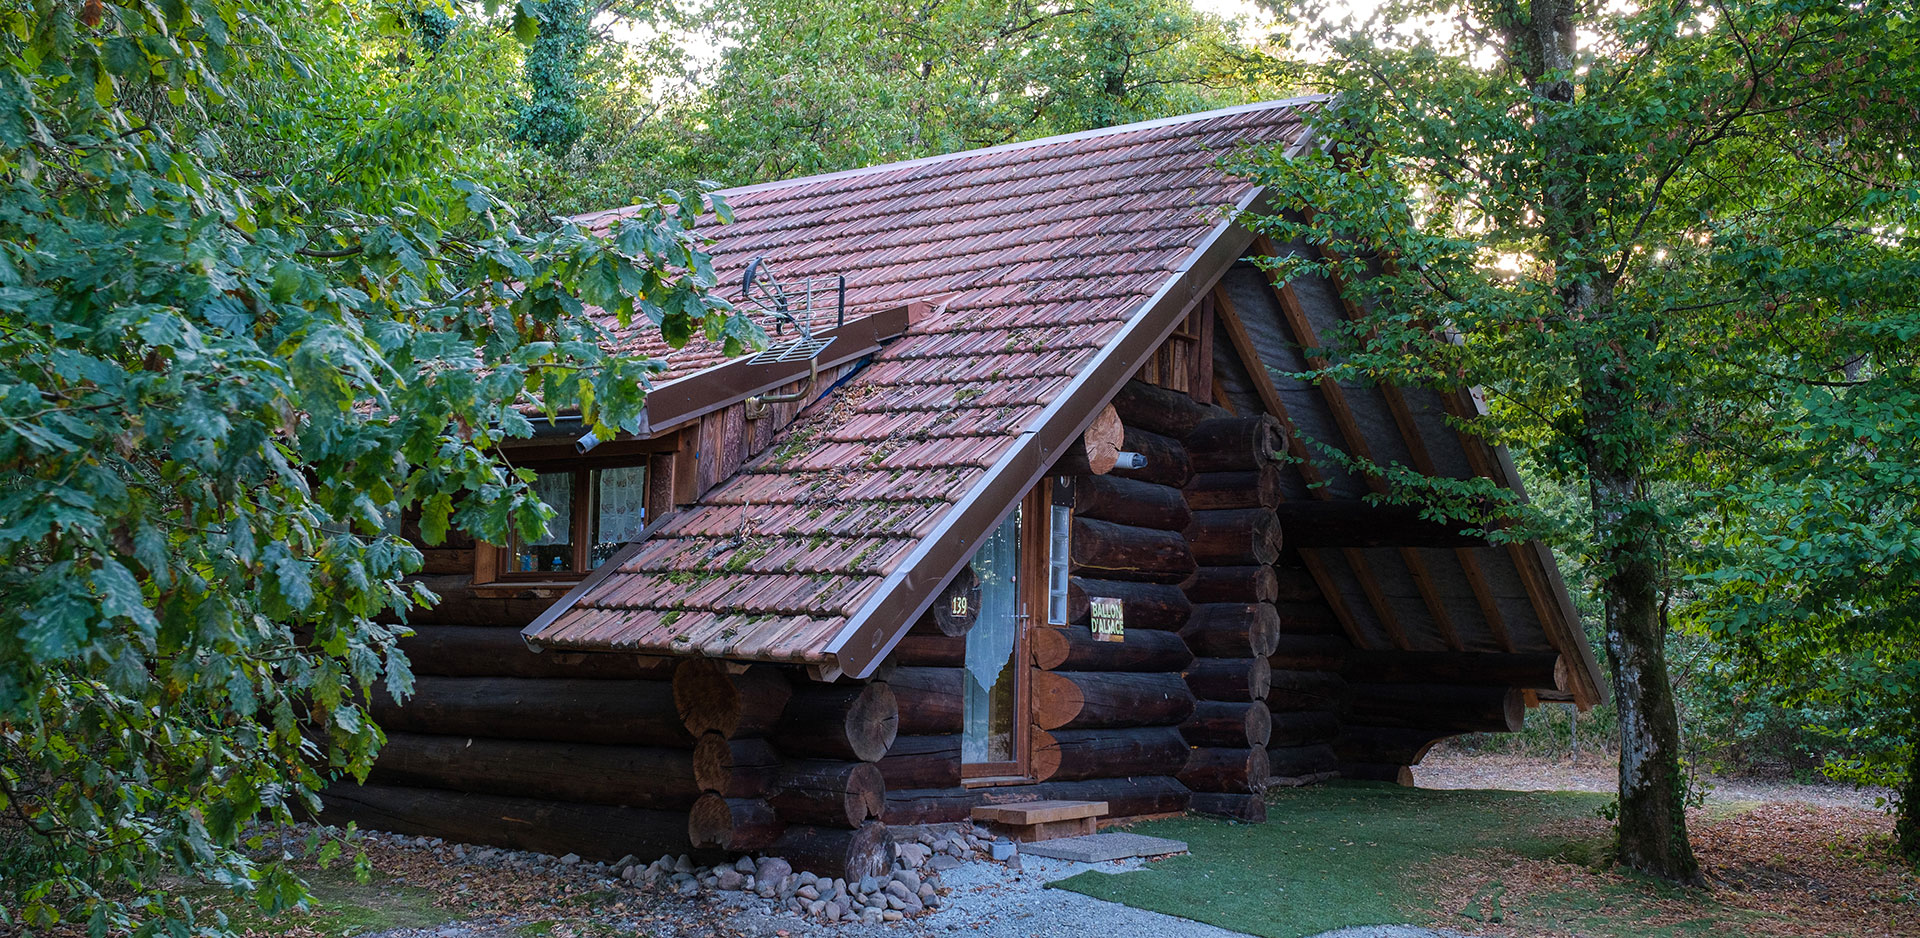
1336,399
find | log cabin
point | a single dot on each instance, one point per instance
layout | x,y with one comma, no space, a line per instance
1018,505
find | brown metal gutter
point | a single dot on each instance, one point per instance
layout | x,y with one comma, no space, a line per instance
684,399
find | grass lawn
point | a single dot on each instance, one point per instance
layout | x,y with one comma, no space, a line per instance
1519,863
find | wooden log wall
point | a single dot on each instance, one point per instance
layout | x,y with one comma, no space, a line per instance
1234,626
500,745
790,766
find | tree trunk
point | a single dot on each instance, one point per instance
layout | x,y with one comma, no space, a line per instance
1652,826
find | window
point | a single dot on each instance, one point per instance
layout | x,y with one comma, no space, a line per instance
1059,552
609,505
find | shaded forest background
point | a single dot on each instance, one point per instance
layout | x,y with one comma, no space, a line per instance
248,252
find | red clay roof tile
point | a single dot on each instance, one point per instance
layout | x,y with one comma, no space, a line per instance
1041,252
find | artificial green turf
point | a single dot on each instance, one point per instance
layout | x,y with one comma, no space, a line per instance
1337,855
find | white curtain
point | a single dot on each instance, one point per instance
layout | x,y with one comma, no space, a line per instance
990,647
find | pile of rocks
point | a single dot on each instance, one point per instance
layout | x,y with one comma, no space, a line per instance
912,888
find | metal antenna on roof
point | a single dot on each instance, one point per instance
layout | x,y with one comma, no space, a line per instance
762,290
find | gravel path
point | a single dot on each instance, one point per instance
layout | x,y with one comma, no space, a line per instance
990,900
1447,767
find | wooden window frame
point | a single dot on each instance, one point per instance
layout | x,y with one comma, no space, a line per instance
1035,510
493,563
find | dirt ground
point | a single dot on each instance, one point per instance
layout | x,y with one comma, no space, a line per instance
1448,767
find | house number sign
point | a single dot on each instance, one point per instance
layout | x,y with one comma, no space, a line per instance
1109,619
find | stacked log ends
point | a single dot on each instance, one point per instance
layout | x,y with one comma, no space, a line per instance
1233,537
1236,443
1237,679
735,768
1232,630
1211,769
1097,450
1127,552
734,824
852,854
1093,699
856,722
1075,649
1229,724
710,699
1249,808
835,794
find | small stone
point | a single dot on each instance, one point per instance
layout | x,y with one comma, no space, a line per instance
728,879
788,884
794,905
926,837
807,878
956,849
744,865
1013,862
926,892
623,862
807,892
908,878
816,906
872,916
630,874
913,905
942,863
895,902
912,855
897,888
892,915
683,864
772,870
833,912
868,884
688,887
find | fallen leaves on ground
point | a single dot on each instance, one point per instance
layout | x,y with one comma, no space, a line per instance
1785,870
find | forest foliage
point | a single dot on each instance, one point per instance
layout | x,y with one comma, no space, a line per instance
271,274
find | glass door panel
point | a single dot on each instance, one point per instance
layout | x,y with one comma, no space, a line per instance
989,743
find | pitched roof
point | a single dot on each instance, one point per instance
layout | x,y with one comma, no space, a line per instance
1059,260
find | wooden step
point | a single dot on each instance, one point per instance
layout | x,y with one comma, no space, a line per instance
1041,820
